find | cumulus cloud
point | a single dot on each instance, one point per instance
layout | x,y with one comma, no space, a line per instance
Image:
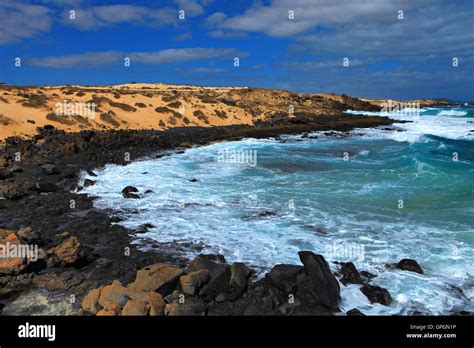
102,16
95,17
273,19
20,21
114,57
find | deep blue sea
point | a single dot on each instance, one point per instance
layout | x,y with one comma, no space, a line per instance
372,197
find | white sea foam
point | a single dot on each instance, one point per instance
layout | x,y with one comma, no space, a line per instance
220,213
446,123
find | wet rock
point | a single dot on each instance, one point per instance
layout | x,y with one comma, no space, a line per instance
349,273
143,228
193,180
130,196
192,282
70,252
209,262
90,173
376,294
50,169
129,189
219,282
367,275
161,277
283,277
325,287
45,187
354,312
409,265
89,182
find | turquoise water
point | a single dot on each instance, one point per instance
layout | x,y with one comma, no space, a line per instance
372,197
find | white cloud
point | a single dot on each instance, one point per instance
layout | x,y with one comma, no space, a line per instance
19,21
103,16
77,60
273,19
114,57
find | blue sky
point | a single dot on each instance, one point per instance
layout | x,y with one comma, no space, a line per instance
391,54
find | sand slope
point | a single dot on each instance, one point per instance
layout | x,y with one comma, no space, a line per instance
156,106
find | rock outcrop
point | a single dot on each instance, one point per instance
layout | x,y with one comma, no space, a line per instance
210,286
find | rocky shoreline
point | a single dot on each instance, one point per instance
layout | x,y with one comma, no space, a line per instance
84,259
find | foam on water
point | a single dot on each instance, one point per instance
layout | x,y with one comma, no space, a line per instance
446,123
302,195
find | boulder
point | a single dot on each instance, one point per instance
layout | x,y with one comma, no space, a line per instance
135,308
156,304
90,303
123,298
283,277
89,182
349,273
354,312
325,287
112,294
209,262
129,189
192,282
17,257
109,311
191,306
70,252
219,282
161,277
10,265
130,195
239,275
376,294
409,265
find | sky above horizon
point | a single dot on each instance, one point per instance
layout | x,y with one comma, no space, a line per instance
395,49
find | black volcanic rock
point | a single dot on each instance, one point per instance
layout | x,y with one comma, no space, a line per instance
129,189
45,187
409,265
128,192
324,285
354,312
376,294
218,284
349,273
89,182
283,277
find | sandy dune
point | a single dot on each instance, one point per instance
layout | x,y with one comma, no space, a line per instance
154,106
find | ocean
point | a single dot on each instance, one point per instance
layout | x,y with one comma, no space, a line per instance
370,196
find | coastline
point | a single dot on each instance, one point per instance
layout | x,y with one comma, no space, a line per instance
33,192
